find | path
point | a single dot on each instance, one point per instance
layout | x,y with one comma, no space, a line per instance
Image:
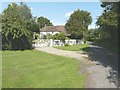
71,54
105,73
97,73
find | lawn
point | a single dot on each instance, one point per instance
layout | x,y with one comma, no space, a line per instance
35,69
76,47
108,46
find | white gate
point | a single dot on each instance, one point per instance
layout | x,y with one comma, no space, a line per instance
51,42
42,43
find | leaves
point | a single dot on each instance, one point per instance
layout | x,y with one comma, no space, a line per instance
108,22
78,22
16,23
42,21
59,36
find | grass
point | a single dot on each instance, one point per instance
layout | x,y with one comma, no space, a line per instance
108,46
35,69
76,47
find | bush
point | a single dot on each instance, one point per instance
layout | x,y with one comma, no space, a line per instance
35,35
48,36
55,36
6,47
60,36
66,44
44,37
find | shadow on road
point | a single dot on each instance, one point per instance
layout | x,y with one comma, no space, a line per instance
105,58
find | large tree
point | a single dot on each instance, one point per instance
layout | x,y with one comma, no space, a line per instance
34,25
43,21
108,21
78,23
16,24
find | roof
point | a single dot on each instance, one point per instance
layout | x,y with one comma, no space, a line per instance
54,29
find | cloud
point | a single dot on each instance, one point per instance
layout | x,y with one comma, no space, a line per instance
31,9
68,14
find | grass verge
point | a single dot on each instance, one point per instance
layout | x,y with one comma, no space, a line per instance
35,69
108,46
77,47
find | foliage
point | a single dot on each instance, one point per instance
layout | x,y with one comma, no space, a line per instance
106,44
78,23
108,22
78,47
49,36
33,69
36,35
55,36
16,24
66,44
59,36
34,25
67,38
62,37
43,21
44,37
87,35
93,34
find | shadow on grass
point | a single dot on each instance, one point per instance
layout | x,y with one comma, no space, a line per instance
86,49
106,59
108,45
18,49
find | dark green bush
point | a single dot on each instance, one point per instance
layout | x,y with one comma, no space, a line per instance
66,44
60,36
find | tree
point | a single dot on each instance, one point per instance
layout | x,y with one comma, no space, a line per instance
32,21
59,36
62,37
16,23
34,25
78,23
108,22
93,34
43,21
25,11
55,36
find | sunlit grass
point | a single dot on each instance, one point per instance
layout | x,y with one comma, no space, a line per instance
78,47
35,69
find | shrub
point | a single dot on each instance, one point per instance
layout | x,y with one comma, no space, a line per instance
44,37
48,36
6,47
66,44
60,36
55,36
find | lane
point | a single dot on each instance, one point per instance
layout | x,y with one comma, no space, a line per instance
106,64
98,63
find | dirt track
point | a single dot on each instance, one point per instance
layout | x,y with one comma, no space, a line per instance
98,63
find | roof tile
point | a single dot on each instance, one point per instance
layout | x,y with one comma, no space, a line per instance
54,29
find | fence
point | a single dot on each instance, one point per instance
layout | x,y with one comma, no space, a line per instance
51,42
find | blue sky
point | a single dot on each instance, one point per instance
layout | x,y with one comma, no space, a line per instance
59,12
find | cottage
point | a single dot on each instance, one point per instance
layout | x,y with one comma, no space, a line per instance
52,30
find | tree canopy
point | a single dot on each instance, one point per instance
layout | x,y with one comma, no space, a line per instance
16,27
78,23
43,21
34,25
108,21
59,36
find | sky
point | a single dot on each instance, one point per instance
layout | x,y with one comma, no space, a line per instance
59,12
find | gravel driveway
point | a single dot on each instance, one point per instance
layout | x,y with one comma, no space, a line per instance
95,63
